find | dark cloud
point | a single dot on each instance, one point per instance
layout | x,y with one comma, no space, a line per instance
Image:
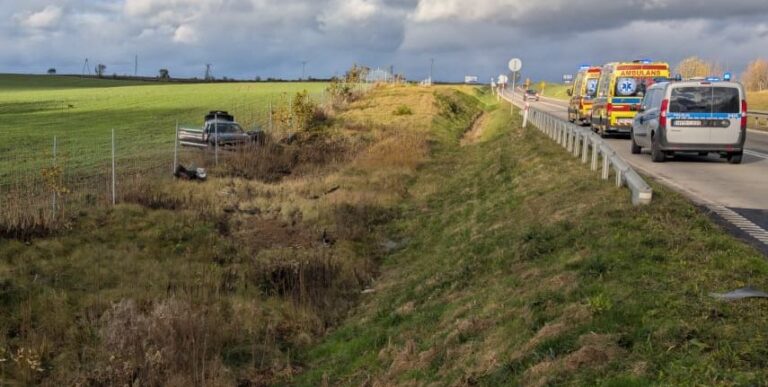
245,38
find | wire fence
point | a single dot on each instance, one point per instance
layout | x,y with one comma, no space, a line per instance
44,179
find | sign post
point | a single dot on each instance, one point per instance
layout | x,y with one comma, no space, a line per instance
515,65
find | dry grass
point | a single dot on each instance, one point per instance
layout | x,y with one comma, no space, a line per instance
218,282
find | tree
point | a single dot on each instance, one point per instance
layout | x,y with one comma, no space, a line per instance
357,74
51,71
100,69
164,74
755,77
692,67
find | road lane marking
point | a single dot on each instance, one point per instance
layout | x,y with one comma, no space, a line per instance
756,154
742,223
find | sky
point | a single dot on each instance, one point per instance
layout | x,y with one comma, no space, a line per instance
271,38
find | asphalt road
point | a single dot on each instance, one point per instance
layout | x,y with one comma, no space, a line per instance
709,181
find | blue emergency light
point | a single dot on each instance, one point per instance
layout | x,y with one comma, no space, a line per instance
727,76
713,79
679,77
584,67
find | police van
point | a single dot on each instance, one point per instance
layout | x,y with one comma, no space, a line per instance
699,116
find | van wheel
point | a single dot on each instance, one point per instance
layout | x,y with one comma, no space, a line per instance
636,149
735,158
657,155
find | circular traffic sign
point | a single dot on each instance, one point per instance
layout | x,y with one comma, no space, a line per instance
515,65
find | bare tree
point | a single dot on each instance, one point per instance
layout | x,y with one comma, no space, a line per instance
695,67
164,74
755,77
51,71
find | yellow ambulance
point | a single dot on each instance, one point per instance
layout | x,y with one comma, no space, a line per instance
582,94
621,87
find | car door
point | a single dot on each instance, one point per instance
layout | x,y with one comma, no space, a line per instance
726,107
644,121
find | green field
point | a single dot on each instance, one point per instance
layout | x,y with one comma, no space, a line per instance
557,91
82,113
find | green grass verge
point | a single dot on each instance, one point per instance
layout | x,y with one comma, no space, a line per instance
522,267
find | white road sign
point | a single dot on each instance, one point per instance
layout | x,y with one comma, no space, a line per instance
515,65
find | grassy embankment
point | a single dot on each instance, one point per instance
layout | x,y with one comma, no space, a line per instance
223,282
522,267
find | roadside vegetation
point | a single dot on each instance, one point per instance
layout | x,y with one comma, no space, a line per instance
520,267
225,282
409,236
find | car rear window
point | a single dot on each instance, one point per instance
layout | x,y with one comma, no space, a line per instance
701,99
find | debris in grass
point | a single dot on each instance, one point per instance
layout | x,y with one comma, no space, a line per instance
190,174
740,294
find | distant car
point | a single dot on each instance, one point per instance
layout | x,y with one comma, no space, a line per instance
530,95
219,128
693,116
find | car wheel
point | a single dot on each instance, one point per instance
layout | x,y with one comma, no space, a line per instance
735,158
636,149
657,155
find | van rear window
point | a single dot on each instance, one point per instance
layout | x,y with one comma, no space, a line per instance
705,100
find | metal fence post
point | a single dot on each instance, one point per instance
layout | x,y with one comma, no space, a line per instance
114,177
176,148
606,165
270,116
53,199
584,148
216,140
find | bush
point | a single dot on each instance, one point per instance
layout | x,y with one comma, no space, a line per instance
403,110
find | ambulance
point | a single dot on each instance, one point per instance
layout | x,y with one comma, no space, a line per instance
582,94
621,87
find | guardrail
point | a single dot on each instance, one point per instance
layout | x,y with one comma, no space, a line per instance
760,119
582,142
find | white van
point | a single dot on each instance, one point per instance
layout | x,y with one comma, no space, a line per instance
706,116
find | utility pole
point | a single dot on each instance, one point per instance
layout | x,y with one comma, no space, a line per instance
431,70
136,66
86,67
303,69
208,74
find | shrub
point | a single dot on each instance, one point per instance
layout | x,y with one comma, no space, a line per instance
403,110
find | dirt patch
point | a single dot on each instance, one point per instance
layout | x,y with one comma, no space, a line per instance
476,131
270,233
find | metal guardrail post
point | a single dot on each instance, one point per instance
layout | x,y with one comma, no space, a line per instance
595,150
578,141
576,147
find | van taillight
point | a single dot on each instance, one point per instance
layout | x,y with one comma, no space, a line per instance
744,114
663,113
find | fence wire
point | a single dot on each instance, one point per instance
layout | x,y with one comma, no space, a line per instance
43,178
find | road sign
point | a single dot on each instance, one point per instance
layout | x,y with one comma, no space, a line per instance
503,79
515,65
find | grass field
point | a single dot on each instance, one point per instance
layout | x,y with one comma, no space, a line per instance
82,113
557,91
224,282
523,268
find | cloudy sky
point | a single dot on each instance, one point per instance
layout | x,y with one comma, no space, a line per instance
249,38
